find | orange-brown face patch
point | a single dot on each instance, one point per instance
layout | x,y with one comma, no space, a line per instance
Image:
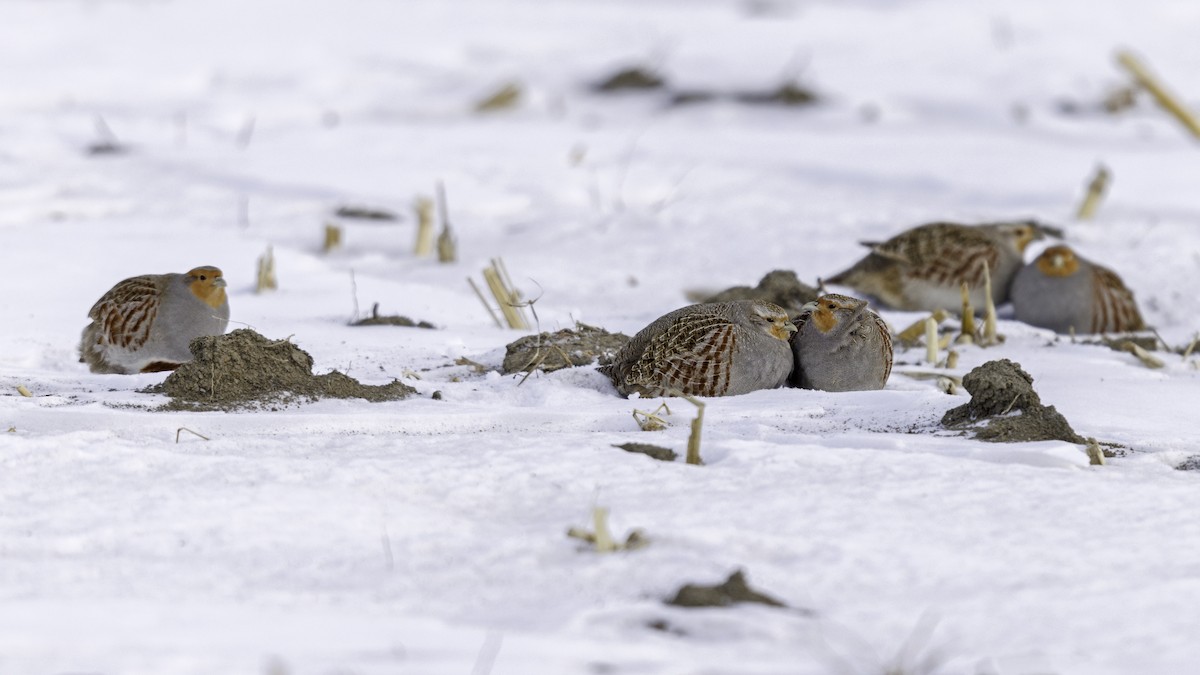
1058,261
782,330
1024,235
208,284
823,318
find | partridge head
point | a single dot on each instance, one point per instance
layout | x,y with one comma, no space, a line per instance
1065,292
145,323
709,349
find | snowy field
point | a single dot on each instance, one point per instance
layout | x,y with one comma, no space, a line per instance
428,536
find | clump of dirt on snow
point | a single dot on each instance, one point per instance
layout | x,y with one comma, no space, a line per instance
377,319
569,347
999,388
655,451
731,591
781,287
243,369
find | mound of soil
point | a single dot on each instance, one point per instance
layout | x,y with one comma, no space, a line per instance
1190,464
365,213
781,287
998,389
392,320
547,352
655,451
789,94
638,79
243,369
732,590
377,319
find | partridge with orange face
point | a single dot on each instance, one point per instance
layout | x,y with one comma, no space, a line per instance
840,345
923,268
1065,292
710,349
144,323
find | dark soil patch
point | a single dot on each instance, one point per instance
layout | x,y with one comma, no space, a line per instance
106,148
789,94
1190,464
733,590
243,369
656,451
781,287
569,347
365,213
999,389
637,79
390,320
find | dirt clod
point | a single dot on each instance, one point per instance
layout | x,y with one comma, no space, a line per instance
788,94
732,590
1005,408
243,369
569,347
377,319
630,79
781,287
656,451
1190,464
365,213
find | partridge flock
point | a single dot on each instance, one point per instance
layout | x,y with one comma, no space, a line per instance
146,323
838,344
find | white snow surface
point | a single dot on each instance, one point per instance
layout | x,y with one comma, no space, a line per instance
428,536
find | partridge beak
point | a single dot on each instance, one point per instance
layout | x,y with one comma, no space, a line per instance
219,282
783,330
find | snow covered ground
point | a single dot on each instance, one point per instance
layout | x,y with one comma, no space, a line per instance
428,536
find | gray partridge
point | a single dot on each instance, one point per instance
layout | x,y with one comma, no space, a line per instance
924,267
709,349
1065,292
840,345
144,323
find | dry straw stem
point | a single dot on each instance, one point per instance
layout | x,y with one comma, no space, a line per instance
651,421
951,360
1147,359
1094,453
990,336
968,315
931,340
23,391
1095,193
509,300
1191,347
265,278
693,445
447,243
180,430
602,538
507,96
479,294
333,237
424,208
1152,84
915,330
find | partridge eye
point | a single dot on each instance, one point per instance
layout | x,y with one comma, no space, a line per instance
203,278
